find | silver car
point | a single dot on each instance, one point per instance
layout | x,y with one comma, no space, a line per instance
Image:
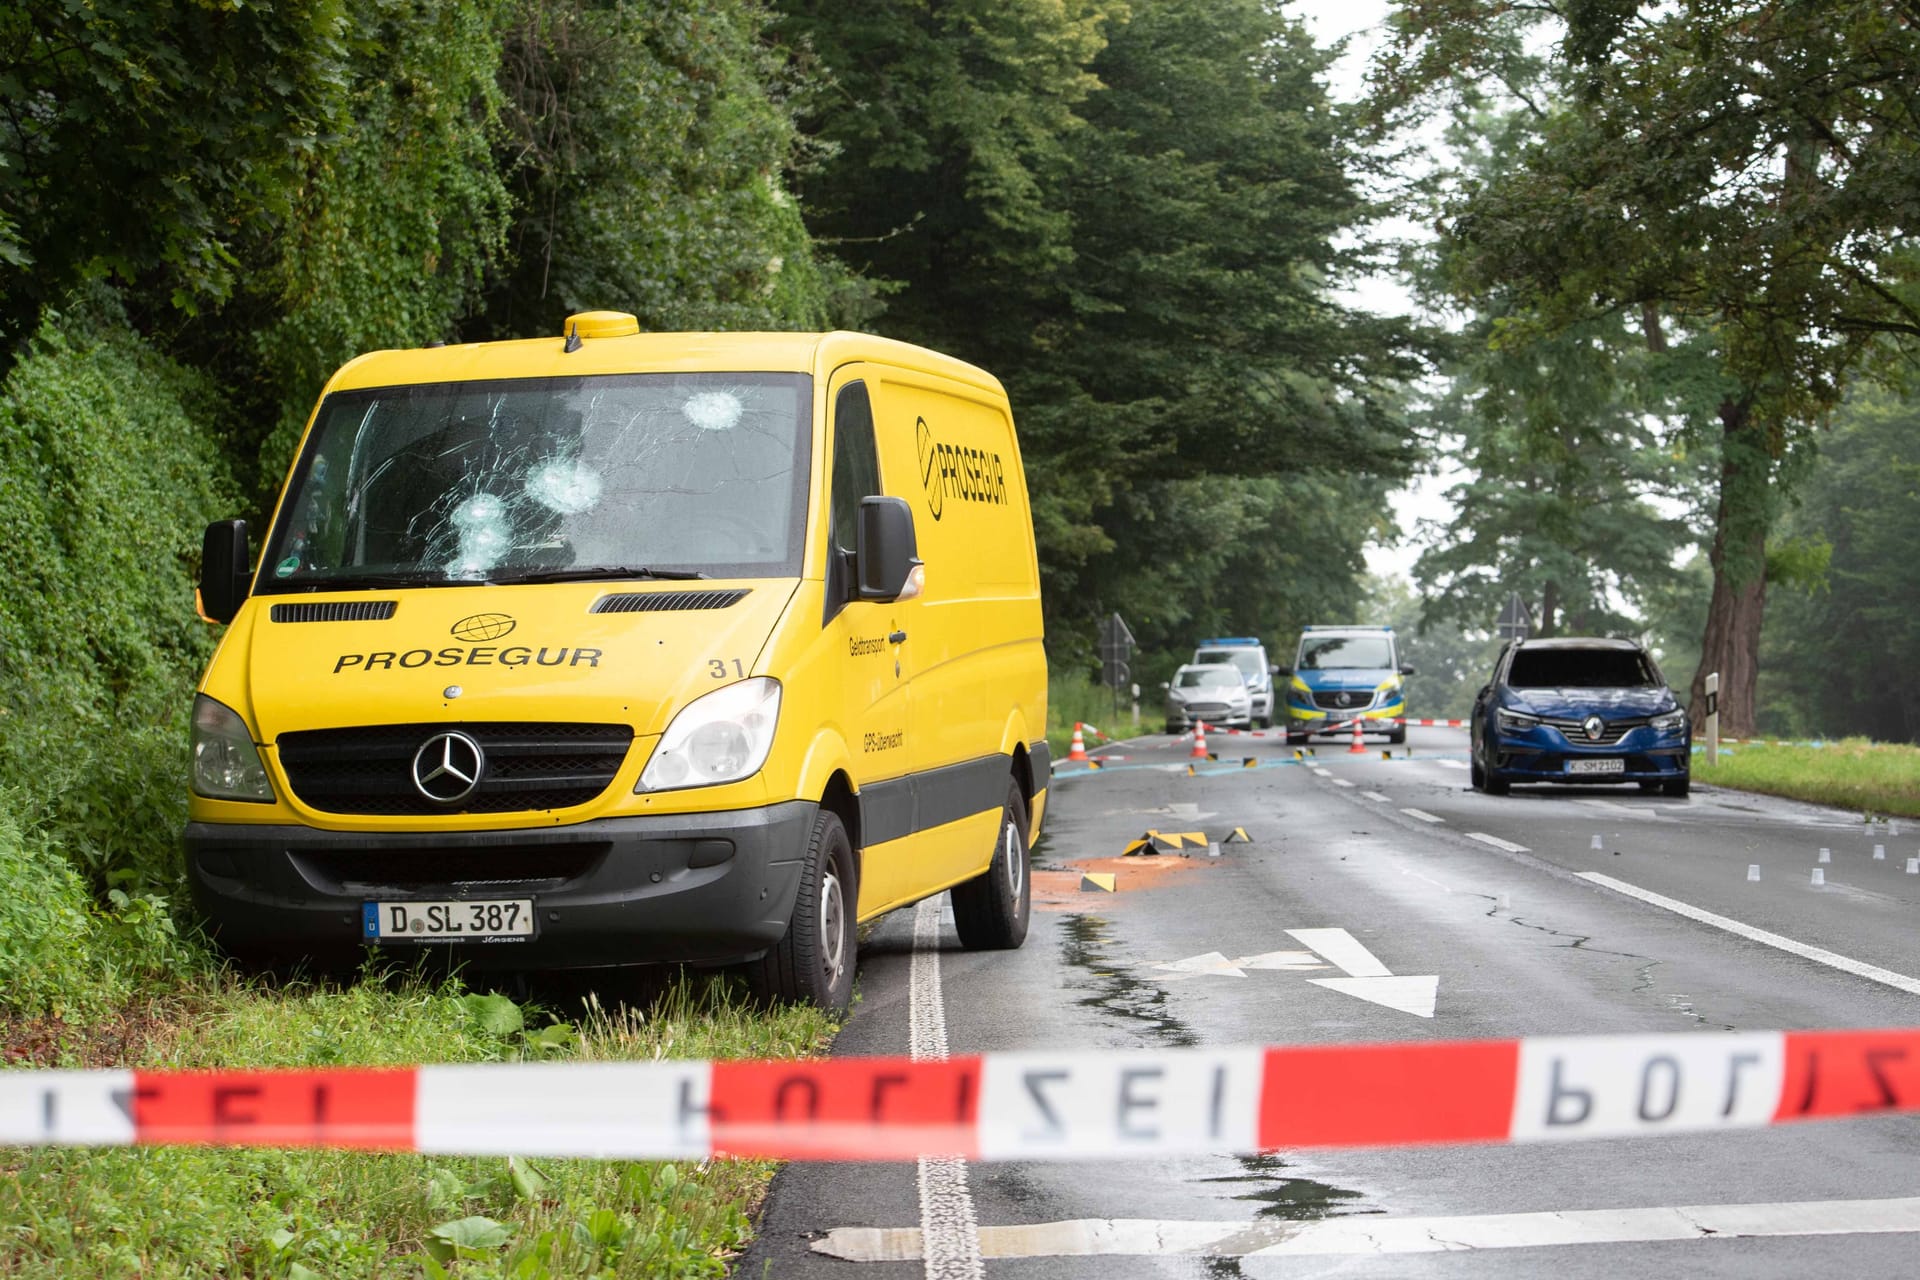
1213,692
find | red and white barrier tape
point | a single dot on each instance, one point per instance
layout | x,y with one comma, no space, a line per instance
1004,1106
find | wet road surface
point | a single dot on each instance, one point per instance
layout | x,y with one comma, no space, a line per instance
1524,928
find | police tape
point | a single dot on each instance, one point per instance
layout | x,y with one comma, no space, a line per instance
1000,1106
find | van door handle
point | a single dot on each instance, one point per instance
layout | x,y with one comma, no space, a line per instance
898,637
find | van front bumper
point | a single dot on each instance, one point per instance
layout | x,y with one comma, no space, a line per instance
687,888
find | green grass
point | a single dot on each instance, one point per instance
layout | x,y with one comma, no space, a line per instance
1075,698
186,1211
1878,778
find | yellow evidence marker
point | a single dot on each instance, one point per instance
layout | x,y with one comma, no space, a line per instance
1102,881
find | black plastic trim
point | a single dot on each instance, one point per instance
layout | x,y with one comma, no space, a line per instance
901,807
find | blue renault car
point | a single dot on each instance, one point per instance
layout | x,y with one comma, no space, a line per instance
1577,711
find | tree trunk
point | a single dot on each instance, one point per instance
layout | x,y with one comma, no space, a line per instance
1550,610
1731,645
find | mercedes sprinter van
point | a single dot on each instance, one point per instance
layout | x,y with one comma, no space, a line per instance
621,648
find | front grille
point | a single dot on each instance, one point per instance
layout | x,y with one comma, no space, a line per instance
1575,731
528,766
1206,708
414,869
670,601
1343,699
334,611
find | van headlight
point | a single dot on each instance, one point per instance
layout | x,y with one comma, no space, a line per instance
721,737
226,764
1670,721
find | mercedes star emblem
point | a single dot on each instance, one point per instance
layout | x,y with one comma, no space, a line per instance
1595,727
447,767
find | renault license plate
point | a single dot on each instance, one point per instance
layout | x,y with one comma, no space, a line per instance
1609,765
491,920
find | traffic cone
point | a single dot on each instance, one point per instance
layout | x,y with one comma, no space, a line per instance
1078,751
1199,751
1359,747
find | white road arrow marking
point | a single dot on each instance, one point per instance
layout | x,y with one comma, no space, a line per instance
1366,977
1213,964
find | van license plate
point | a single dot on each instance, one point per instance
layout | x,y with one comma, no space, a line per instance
1612,765
491,920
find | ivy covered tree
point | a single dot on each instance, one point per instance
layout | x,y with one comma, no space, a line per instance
144,142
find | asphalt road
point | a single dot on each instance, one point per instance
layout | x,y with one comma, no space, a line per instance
1496,899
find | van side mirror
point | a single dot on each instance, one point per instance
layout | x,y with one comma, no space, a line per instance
224,580
886,553
1283,671
1406,670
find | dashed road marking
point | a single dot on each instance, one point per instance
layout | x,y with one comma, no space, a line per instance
1371,1234
948,1227
1497,842
1341,782
1375,795
1449,764
1859,968
1423,815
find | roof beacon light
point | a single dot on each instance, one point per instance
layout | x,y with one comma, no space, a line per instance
602,324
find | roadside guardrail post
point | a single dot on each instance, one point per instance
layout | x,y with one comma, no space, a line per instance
1713,718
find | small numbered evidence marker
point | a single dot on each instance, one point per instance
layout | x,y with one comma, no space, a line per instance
1237,836
1249,762
1098,881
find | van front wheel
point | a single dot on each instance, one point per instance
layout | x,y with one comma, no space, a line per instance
813,963
991,910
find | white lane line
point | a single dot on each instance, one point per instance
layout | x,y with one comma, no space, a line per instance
1449,764
1859,968
1367,1234
1341,782
1422,814
948,1226
1322,772
1375,795
1497,842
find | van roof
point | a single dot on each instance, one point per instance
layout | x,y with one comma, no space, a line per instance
813,353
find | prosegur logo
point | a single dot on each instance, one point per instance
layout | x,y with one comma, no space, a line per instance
482,626
971,475
475,630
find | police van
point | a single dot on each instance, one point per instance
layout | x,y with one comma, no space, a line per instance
616,648
1341,674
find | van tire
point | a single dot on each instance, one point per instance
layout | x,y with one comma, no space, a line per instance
991,911
799,969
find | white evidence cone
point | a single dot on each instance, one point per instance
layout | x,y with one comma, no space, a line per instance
1596,842
1819,876
1879,853
1826,855
1753,871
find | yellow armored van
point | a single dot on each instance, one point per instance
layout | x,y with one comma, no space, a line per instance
623,648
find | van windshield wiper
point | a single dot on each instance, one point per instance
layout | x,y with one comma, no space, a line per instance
598,573
372,581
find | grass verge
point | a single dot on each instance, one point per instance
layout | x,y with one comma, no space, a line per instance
1872,777
299,1215
1073,698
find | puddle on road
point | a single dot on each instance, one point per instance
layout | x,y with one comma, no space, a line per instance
1084,941
1291,1199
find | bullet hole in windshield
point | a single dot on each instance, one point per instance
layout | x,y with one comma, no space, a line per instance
713,410
564,485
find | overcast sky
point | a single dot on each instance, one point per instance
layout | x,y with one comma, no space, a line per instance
1331,20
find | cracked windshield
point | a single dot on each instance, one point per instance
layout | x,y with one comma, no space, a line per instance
682,475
